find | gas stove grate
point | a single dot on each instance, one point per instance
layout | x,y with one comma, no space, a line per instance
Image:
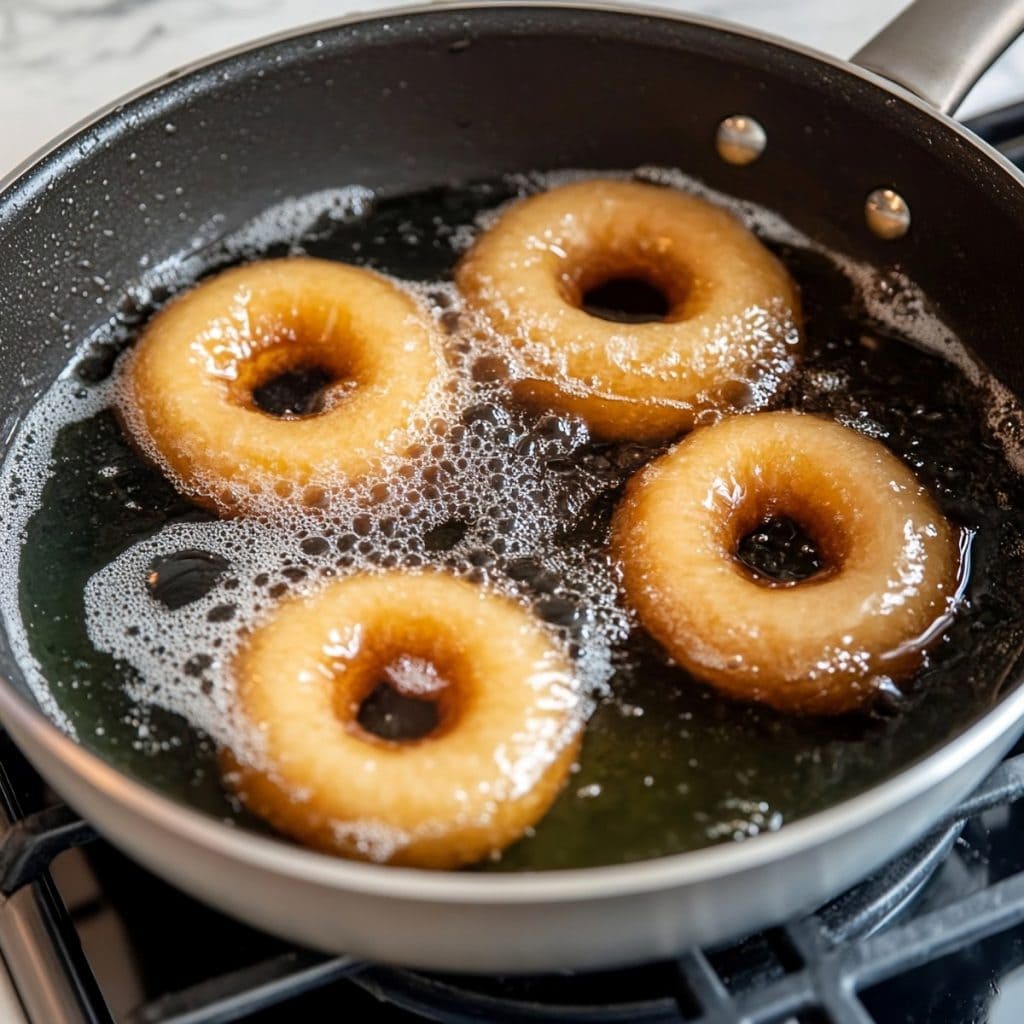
814,970
810,969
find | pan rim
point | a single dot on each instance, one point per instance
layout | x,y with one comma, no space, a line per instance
424,9
557,885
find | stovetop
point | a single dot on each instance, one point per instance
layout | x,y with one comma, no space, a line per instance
936,937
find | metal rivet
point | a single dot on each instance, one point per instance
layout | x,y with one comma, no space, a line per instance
740,140
887,214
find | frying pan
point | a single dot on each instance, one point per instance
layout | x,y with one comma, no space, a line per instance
411,99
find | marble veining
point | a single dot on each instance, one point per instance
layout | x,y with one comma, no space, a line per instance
61,59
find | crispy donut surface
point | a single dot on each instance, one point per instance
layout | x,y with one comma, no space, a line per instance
509,720
732,320
188,398
821,645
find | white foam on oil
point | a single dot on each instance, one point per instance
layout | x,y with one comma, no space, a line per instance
496,496
23,476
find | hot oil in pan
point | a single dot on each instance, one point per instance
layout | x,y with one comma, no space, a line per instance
667,764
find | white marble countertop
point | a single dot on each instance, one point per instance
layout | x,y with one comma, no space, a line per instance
62,59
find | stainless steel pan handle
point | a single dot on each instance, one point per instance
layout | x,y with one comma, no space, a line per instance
938,49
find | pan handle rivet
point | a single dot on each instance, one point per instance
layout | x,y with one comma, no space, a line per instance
887,214
740,140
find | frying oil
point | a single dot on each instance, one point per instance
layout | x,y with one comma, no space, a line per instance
132,600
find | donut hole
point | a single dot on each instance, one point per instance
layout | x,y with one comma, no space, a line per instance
780,550
300,391
626,300
635,285
406,699
292,380
389,714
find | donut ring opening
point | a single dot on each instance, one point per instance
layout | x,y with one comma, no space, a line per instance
623,259
726,336
427,674
828,533
779,551
390,712
294,393
509,720
626,299
191,394
890,578
273,366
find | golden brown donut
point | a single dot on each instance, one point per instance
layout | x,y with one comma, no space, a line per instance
733,309
187,397
510,720
819,646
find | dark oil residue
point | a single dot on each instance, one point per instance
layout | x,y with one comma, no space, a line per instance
185,576
667,764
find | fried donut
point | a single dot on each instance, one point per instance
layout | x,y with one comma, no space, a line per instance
188,395
822,645
730,330
509,719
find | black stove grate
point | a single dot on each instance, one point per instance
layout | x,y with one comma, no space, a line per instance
850,962
811,969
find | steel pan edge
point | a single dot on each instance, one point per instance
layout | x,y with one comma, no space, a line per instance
529,923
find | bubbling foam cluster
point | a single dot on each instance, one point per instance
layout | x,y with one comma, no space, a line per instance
491,496
489,501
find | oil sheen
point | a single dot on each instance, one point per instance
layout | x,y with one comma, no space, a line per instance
131,600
